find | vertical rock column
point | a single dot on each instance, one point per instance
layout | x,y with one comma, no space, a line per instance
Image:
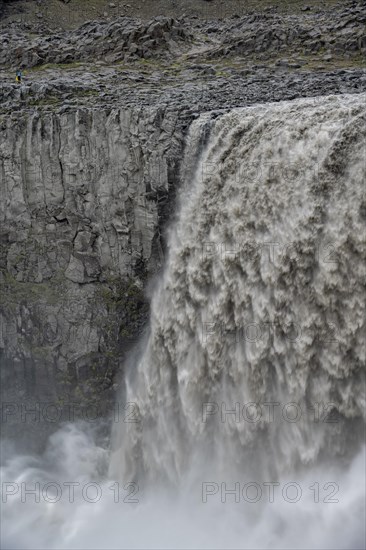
81,220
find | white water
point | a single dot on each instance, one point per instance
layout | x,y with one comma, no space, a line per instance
290,174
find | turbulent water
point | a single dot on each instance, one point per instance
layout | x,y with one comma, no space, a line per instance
251,378
262,299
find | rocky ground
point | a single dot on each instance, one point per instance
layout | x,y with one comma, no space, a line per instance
208,64
203,64
91,145
104,62
68,14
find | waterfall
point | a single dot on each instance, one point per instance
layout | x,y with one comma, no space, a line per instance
260,309
251,375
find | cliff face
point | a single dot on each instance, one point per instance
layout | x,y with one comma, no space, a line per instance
84,196
91,144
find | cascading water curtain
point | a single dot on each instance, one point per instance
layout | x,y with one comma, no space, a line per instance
261,301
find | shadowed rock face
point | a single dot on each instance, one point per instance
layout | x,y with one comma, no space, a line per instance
84,196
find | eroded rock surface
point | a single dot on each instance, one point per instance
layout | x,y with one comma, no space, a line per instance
84,195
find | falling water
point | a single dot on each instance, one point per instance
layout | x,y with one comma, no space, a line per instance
261,301
252,370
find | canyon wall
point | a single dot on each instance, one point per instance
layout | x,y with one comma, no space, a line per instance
84,199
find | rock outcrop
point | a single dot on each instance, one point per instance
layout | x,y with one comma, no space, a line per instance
120,40
84,197
338,32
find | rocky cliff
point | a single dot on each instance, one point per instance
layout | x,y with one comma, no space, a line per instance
90,158
84,197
